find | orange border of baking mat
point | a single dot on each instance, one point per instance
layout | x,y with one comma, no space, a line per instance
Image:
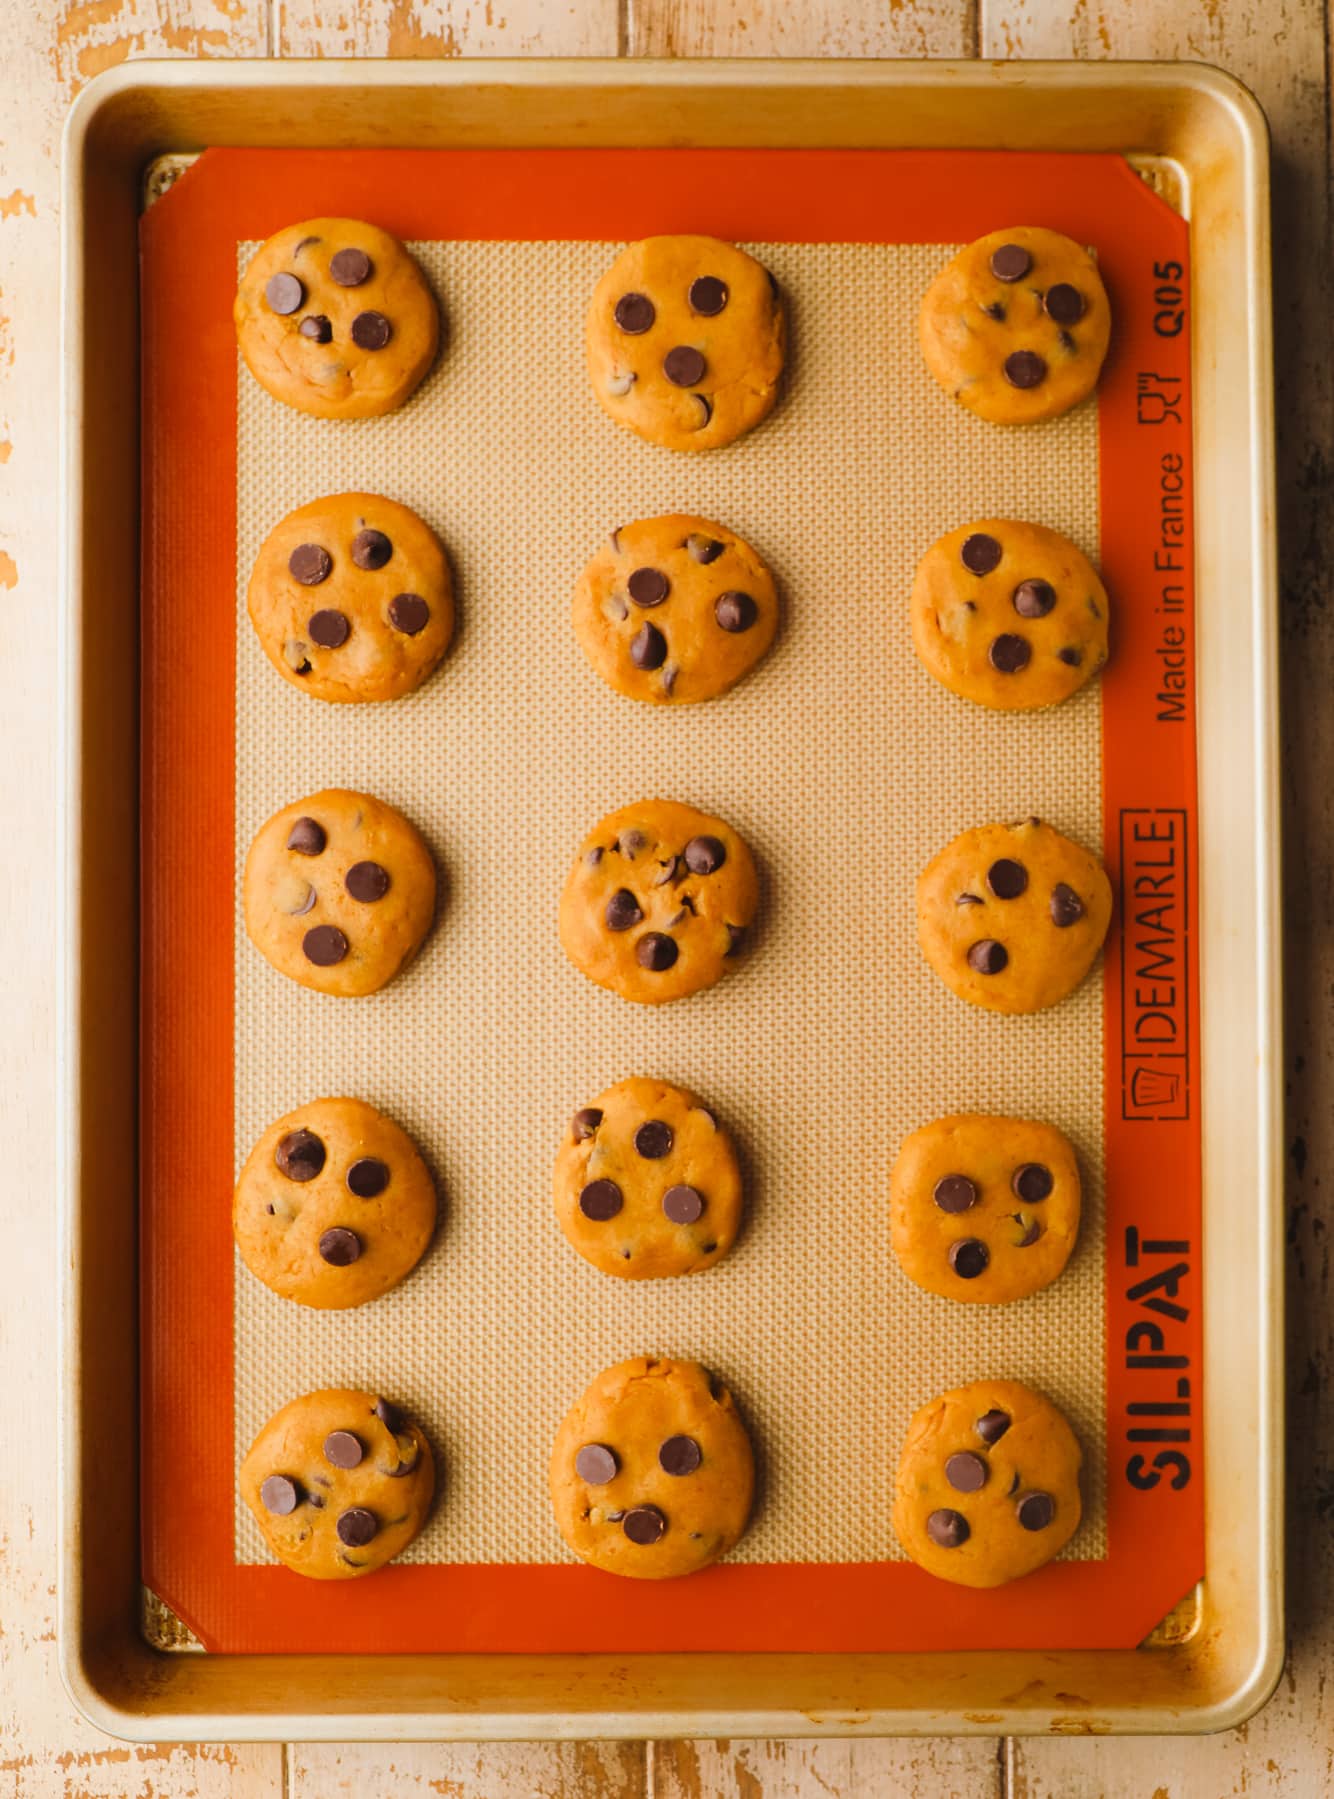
1155,1508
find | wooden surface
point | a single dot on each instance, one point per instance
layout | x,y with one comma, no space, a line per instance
51,47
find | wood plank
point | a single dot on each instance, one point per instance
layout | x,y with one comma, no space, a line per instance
805,28
938,1767
447,28
1278,47
467,1770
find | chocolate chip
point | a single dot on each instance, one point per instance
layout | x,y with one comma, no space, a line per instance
648,586
1032,1183
629,843
705,855
601,1200
947,1529
655,952
992,1426
1030,1234
342,1449
367,882
596,1464
968,1258
980,553
1007,878
954,1193
635,314
279,1495
368,1177
703,549
622,910
683,1205
735,611
585,1123
1009,655
680,1455
300,1155
371,549
1064,303
1010,262
315,325
966,1472
1066,906
648,647
356,1526
1035,1511
736,939
705,411
408,613
294,655
329,628
708,296
684,366
653,1139
371,331
644,1524
969,899
350,268
1024,368
305,244
389,1415
1072,657
1033,599
284,293
995,311
324,945
340,1247
307,838
987,956
310,563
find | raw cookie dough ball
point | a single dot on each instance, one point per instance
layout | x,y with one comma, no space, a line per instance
1010,615
984,1209
334,1205
674,610
335,318
1016,327
652,1474
658,901
1012,917
647,1183
686,337
351,598
339,1483
339,892
988,1484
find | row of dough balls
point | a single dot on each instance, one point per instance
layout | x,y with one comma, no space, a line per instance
686,336
652,1477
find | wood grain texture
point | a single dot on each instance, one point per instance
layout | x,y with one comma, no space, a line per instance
800,28
447,27
931,1768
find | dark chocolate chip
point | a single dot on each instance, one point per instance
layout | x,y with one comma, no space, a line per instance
1031,1233
1024,368
683,1205
954,1193
371,331
655,952
408,613
980,553
970,899
648,586
279,1495
340,1247
968,1258
1007,878
329,628
1033,599
708,296
947,1529
368,1177
284,293
356,1526
342,1449
601,1200
324,945
371,549
367,882
705,855
629,843
703,549
648,647
988,956
1064,303
310,563
644,1524
992,1426
684,366
300,1155
1066,906
736,939
1010,262
995,311
622,910
1072,657
966,1472
1067,342
389,1415
596,1464
307,837
635,314
705,406
1009,655
1034,1510
653,1139
585,1123
680,1455
1032,1183
735,611
350,268
315,325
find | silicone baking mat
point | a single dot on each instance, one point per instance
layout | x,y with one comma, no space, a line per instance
843,765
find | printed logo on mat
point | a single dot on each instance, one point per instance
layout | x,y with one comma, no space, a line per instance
1155,997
